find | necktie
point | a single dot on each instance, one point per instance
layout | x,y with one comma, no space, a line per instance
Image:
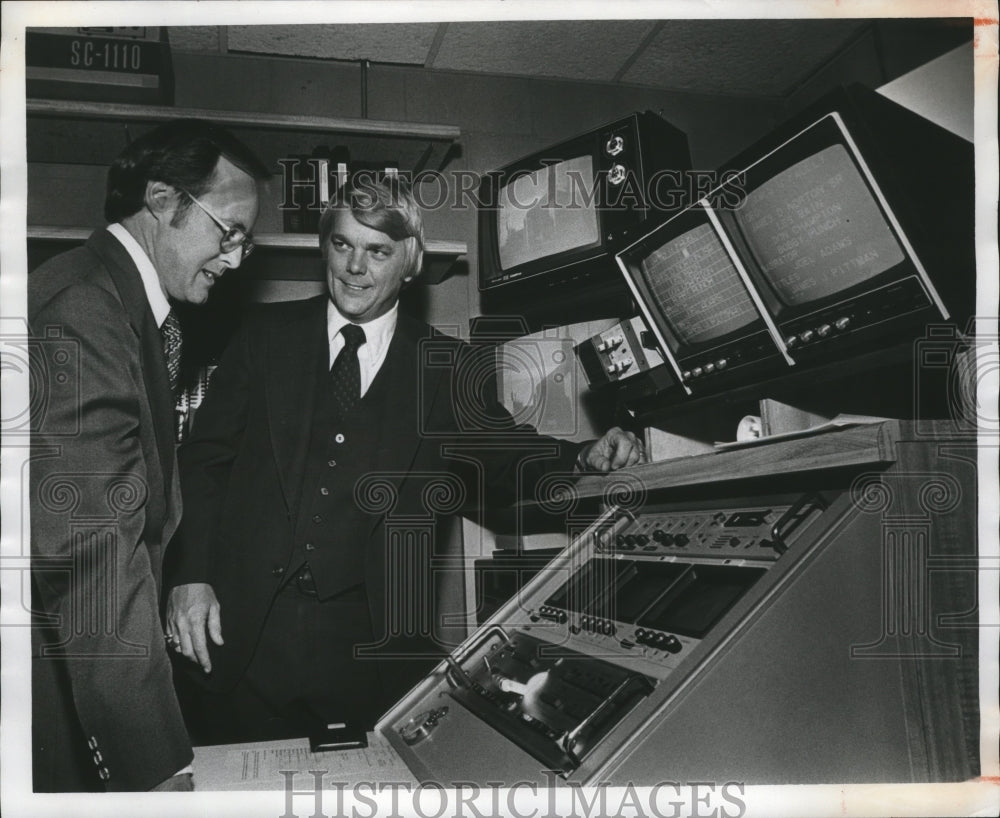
345,374
170,333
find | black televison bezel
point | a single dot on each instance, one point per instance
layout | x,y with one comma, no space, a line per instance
585,274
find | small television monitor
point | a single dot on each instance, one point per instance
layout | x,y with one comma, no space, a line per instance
549,223
698,301
856,225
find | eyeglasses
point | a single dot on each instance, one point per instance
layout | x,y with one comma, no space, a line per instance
233,236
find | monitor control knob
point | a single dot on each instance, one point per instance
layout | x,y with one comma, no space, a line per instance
641,539
722,363
806,336
842,323
686,375
791,340
823,330
660,536
616,174
614,146
696,372
681,540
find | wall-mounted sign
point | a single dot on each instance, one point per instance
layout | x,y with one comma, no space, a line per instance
127,64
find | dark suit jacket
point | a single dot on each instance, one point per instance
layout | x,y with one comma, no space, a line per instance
242,470
105,501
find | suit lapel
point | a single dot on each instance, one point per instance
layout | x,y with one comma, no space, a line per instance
294,352
128,282
405,415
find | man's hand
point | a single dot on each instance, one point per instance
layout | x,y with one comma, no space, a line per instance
176,783
191,610
616,450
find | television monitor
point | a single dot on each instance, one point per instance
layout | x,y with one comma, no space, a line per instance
847,230
697,299
857,225
549,223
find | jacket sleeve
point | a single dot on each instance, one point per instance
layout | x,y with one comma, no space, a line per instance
92,538
206,460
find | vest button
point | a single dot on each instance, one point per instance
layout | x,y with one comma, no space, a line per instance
331,463
310,547
317,518
324,491
339,438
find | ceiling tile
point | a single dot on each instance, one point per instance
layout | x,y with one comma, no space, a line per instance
194,38
406,43
568,49
759,57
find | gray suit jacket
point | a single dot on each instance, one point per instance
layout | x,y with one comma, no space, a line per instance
105,502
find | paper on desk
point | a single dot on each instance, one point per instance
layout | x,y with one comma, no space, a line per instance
259,766
838,422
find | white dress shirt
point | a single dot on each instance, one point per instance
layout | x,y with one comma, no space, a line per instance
150,280
371,354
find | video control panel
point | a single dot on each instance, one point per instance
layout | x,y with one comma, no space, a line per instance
626,605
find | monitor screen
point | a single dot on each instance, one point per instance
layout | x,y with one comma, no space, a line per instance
712,591
697,288
815,229
547,211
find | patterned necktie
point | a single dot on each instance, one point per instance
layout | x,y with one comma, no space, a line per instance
345,374
170,333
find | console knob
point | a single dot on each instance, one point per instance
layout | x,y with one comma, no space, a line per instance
842,323
709,367
806,336
681,540
722,363
696,372
641,539
614,146
672,643
660,536
686,375
823,330
791,340
616,175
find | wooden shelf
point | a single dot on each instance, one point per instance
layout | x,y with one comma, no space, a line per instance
440,257
161,113
414,146
288,241
851,446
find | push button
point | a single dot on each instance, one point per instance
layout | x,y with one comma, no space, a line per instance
317,518
339,437
310,547
331,463
324,491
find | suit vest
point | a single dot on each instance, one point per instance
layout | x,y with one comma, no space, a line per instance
331,532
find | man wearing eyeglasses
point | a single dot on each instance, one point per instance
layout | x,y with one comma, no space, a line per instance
105,501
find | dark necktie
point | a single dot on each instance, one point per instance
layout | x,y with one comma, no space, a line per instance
345,374
170,333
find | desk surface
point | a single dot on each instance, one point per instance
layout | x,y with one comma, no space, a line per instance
264,765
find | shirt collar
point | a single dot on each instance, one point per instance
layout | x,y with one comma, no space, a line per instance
378,331
150,279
